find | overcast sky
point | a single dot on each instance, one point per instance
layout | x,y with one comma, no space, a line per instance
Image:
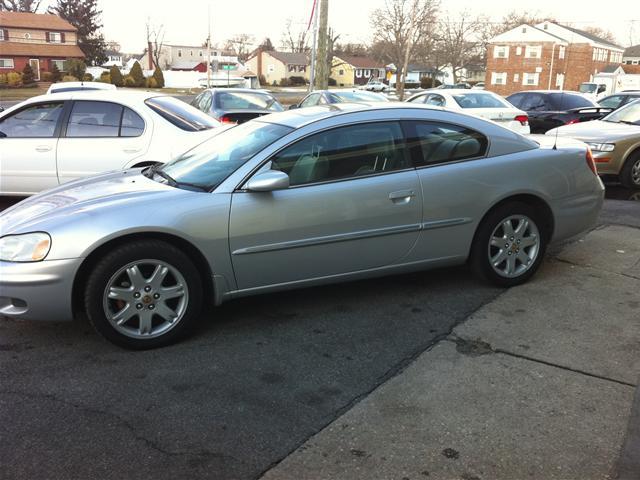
185,21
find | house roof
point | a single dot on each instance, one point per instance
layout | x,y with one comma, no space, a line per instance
590,36
41,50
612,67
290,58
360,61
632,51
39,21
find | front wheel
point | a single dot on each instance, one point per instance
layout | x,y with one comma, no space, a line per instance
630,173
145,294
509,245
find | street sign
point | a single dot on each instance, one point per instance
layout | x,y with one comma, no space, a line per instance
229,67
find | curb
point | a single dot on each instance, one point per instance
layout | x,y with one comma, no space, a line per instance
628,467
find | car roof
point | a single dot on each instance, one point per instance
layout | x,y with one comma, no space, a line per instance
105,95
237,90
571,92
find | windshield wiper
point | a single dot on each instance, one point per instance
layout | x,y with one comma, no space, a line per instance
628,122
173,182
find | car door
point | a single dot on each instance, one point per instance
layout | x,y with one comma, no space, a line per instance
28,142
98,137
354,203
539,113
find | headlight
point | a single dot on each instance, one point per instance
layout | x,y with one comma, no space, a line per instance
602,147
30,247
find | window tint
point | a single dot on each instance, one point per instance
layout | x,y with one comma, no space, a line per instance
567,101
132,124
36,121
345,152
94,119
436,100
534,102
204,102
178,113
516,99
433,143
612,102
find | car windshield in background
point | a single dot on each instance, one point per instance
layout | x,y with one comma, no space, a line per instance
180,114
479,100
360,97
628,114
208,164
247,101
588,88
569,101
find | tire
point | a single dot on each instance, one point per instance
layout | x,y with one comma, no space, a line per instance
155,295
520,252
630,173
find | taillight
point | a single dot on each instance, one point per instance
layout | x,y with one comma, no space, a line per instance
590,163
571,122
225,119
523,119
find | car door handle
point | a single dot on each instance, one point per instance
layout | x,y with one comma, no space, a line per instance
402,196
43,148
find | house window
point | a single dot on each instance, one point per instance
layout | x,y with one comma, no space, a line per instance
559,80
179,53
531,51
340,72
516,77
200,52
561,50
58,63
55,37
500,51
27,36
191,53
518,50
2,34
498,78
358,73
367,73
634,62
6,62
271,68
530,79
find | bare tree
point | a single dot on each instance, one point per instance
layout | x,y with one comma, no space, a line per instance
241,44
602,33
31,6
398,27
458,42
155,36
294,40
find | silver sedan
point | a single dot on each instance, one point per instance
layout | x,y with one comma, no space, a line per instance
291,200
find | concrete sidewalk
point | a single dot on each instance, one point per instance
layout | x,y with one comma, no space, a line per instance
537,384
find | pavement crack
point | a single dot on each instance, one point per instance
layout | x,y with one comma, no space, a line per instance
569,262
152,444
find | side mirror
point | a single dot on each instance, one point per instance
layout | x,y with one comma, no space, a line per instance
268,181
294,106
601,88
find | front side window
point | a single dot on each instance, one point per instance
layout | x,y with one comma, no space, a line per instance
94,119
432,143
418,99
38,121
534,102
311,100
344,153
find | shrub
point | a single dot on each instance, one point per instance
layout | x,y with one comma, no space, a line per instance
137,75
3,79
56,74
129,81
437,83
46,76
151,83
158,77
284,82
14,79
28,76
426,82
116,76
69,78
87,77
332,82
297,81
105,77
75,67
411,85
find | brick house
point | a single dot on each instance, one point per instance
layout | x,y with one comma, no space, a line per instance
546,56
38,39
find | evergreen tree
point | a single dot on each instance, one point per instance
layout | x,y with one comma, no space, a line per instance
28,77
116,76
159,77
137,75
75,68
56,74
85,16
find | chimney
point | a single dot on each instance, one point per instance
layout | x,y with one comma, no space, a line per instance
150,50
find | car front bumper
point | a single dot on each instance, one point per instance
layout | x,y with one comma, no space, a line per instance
607,163
38,290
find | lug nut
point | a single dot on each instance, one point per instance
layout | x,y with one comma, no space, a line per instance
147,288
152,306
509,252
156,296
136,295
139,306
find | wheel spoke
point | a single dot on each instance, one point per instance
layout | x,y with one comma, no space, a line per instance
158,275
511,265
124,315
523,224
507,228
500,257
168,293
135,276
145,322
530,241
164,311
497,242
120,293
523,258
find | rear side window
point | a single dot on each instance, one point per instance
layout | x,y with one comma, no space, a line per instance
433,143
180,114
103,119
515,99
418,99
568,101
37,121
132,124
534,102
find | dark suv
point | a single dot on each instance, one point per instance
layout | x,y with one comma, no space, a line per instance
549,109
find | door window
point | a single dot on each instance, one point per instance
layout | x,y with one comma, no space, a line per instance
418,99
132,124
343,153
436,100
204,103
35,121
94,119
533,103
433,143
311,100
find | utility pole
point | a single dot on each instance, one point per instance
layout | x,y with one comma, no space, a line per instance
209,47
321,71
314,45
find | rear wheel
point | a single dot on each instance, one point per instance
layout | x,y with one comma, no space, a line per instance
630,173
509,245
146,294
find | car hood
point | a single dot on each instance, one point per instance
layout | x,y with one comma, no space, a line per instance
597,131
86,196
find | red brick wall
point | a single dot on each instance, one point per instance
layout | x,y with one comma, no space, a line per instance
20,62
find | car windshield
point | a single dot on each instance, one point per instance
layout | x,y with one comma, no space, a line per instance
569,101
247,101
180,114
208,164
360,97
480,100
588,88
628,114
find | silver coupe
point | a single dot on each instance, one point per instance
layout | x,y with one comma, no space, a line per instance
293,199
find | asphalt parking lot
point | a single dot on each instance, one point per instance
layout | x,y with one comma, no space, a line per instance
261,377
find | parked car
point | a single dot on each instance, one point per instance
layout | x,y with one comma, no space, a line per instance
236,105
548,109
618,100
615,142
293,199
375,86
593,91
478,86
482,103
52,139
326,97
75,86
